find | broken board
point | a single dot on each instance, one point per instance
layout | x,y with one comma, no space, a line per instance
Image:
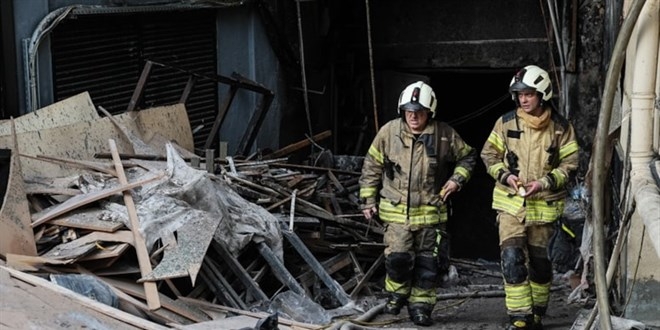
83,139
16,235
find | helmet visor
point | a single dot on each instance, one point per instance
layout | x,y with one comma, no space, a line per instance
519,86
412,106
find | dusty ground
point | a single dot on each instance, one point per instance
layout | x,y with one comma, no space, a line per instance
484,313
25,306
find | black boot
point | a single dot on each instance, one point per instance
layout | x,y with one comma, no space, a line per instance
394,304
536,323
539,312
520,322
420,314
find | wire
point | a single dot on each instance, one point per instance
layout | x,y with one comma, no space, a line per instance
371,66
639,257
302,68
484,109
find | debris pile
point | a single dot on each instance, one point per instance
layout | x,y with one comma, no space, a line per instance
120,209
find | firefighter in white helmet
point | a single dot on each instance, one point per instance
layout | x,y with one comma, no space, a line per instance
414,164
530,153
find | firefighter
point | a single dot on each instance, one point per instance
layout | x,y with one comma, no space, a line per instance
530,153
412,167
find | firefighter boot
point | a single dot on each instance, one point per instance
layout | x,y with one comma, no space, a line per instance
536,323
420,314
539,312
394,304
520,322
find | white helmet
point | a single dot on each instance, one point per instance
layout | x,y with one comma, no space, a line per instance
417,96
531,77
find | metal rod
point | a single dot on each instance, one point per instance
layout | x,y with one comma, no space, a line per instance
371,66
302,69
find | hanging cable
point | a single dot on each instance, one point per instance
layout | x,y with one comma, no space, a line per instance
371,66
302,69
559,48
481,111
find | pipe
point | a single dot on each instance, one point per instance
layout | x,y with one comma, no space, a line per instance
644,190
599,161
47,24
368,315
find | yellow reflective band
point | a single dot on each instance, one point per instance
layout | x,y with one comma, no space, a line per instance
438,239
518,296
462,171
423,215
508,203
540,293
366,192
494,170
422,296
496,141
376,154
560,178
539,210
568,149
396,287
568,231
464,151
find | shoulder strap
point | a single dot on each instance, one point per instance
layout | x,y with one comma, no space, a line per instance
509,116
559,119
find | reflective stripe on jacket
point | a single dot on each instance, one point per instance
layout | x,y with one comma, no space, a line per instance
546,155
399,171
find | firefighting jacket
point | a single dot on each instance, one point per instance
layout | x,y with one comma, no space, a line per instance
547,155
404,173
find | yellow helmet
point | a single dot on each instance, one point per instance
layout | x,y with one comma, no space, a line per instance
417,96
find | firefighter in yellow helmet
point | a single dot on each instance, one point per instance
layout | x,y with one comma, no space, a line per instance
530,153
412,167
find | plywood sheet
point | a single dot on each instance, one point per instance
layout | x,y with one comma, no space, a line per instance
71,110
16,235
170,122
83,139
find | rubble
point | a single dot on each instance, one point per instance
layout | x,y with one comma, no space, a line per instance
189,242
162,230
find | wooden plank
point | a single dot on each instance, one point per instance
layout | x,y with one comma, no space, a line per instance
150,288
181,308
298,145
90,219
33,263
316,266
80,200
85,301
16,235
215,307
87,244
111,251
82,164
359,273
331,266
367,276
252,286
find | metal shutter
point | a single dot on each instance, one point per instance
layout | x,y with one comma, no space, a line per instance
104,54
